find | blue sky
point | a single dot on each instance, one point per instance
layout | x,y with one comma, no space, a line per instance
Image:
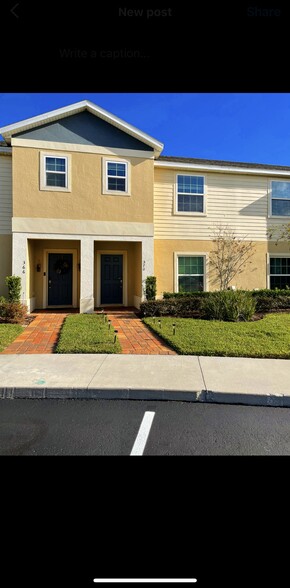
238,127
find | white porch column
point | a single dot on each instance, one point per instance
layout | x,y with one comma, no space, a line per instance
147,260
87,275
20,261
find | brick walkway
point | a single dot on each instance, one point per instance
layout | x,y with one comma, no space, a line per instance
40,336
134,336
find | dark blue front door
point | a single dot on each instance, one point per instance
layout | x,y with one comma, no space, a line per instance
59,279
111,279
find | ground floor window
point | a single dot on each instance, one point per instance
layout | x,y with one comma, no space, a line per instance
190,270
279,272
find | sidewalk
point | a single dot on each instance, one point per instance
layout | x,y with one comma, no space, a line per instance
228,380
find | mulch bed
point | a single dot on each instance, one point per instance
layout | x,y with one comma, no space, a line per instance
28,319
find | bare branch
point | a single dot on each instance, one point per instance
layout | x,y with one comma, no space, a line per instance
230,255
279,232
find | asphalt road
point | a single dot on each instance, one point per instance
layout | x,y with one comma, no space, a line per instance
90,427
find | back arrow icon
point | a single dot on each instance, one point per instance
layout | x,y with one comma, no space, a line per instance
13,10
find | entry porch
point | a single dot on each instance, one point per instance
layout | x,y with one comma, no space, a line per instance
85,272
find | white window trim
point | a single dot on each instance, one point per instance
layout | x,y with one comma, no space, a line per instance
42,167
184,213
271,215
127,177
178,254
270,256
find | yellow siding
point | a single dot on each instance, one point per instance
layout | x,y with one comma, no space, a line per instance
238,200
5,194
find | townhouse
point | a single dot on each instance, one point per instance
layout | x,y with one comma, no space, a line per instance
89,208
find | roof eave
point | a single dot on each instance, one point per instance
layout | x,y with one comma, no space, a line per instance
220,168
9,130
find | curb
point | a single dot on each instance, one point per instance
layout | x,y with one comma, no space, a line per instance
202,396
274,400
97,394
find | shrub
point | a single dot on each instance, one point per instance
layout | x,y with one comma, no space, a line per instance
269,300
150,287
184,307
228,305
2,306
14,288
269,303
197,293
181,304
267,293
12,312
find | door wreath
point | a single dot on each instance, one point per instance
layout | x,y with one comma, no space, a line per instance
61,266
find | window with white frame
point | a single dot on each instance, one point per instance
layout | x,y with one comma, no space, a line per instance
190,273
116,176
280,198
190,193
279,272
55,172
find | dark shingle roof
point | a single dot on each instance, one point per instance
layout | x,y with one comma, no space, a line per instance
222,163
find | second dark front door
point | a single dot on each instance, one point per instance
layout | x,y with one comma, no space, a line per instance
59,279
111,279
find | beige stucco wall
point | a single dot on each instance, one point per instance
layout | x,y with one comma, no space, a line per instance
133,266
137,270
5,261
35,279
281,247
254,275
85,201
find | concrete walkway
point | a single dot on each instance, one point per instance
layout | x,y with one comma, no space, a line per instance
264,382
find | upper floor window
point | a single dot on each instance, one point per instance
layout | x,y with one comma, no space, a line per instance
280,198
190,194
115,177
55,172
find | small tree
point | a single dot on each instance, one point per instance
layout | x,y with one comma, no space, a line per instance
230,255
150,287
279,233
13,284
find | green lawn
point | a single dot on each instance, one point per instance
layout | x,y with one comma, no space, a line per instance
268,337
87,333
8,333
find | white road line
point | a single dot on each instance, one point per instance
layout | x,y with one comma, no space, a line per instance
146,580
143,434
